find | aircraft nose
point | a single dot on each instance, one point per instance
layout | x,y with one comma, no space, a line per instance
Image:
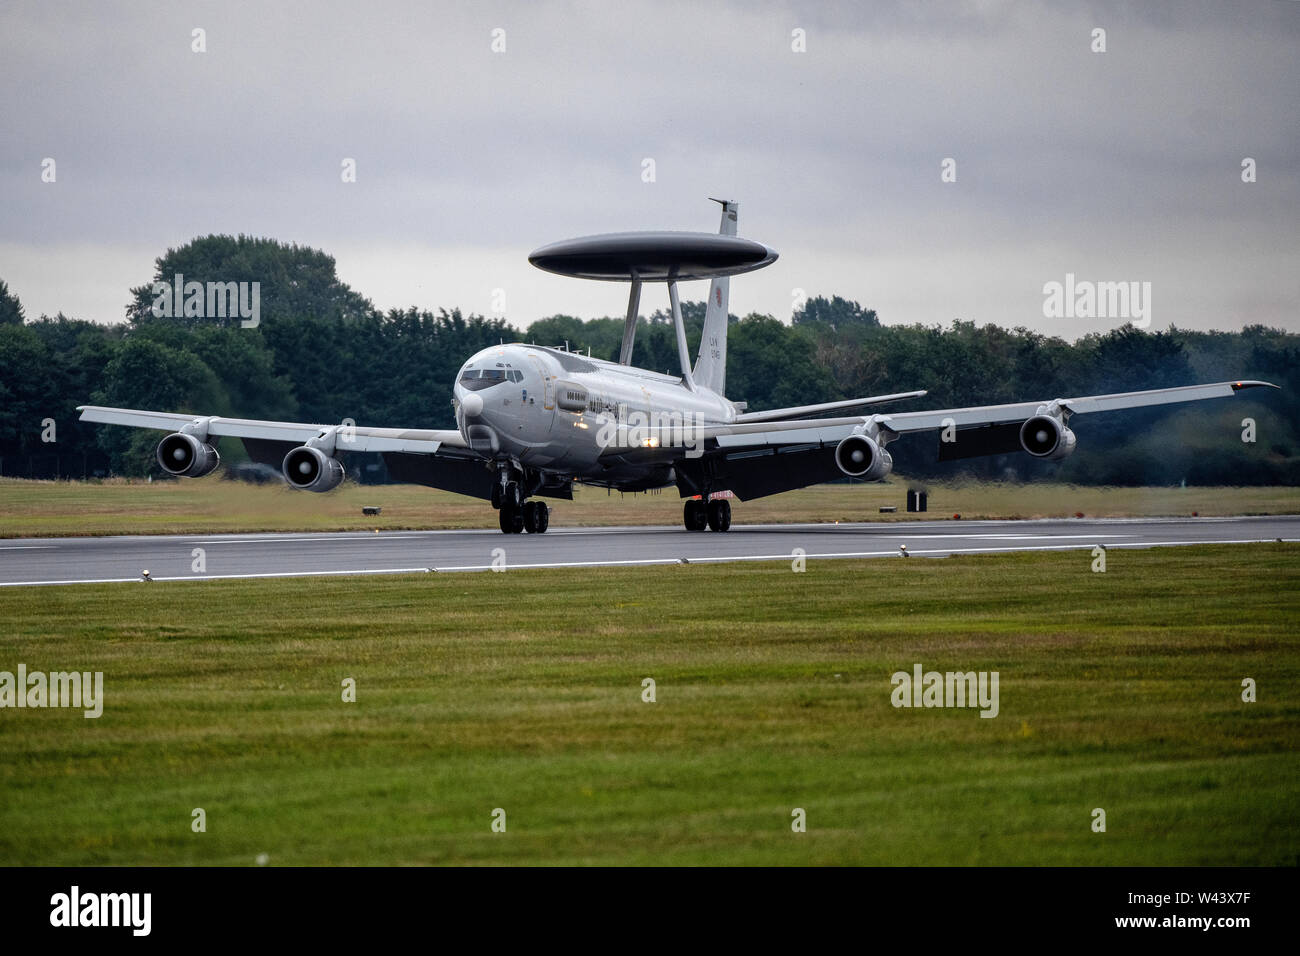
472,403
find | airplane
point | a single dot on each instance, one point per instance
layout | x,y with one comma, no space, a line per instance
531,421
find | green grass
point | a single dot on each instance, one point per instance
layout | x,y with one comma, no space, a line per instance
214,506
522,690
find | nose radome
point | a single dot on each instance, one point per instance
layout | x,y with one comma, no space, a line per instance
472,404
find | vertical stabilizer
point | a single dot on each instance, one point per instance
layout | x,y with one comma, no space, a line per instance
711,365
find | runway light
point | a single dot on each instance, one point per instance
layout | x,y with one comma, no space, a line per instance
145,575
903,549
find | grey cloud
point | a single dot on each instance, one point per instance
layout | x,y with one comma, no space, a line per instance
1133,153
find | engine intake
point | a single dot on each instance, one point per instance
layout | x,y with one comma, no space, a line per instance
310,469
1045,437
185,456
860,457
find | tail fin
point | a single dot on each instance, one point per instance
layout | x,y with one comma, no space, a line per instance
711,365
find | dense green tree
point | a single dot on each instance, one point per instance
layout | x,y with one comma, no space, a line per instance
76,354
24,389
769,366
147,374
293,280
11,310
604,337
835,312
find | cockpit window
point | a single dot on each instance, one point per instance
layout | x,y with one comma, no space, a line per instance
478,379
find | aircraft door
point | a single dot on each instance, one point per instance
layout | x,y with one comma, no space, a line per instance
539,405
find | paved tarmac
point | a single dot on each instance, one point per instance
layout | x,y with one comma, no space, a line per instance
174,557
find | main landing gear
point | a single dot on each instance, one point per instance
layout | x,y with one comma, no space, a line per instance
716,515
517,514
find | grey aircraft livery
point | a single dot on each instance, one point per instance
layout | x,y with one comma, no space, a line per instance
531,421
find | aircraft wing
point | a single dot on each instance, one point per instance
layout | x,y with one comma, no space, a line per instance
754,459
1001,414
352,438
748,434
901,423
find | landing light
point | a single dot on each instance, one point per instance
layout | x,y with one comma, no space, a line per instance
650,443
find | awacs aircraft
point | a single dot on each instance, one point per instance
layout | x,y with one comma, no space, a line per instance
531,421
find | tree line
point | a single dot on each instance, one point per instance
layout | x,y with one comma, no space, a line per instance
321,353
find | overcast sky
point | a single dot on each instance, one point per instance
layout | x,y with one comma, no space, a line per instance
1117,166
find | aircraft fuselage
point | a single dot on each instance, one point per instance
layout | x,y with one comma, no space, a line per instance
555,411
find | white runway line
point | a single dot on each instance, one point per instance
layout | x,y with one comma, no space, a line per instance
273,536
892,552
221,577
1007,537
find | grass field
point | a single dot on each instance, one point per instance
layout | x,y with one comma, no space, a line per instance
522,691
212,506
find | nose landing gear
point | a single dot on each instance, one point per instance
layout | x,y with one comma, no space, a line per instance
517,512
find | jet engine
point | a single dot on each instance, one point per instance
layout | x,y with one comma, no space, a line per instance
185,456
1044,436
310,469
860,457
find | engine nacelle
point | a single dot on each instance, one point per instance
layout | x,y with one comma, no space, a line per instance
185,456
860,457
1043,436
310,469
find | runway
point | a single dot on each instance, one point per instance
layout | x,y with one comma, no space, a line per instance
45,561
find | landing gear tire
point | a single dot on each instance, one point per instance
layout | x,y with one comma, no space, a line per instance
496,497
511,519
694,515
719,515
537,517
